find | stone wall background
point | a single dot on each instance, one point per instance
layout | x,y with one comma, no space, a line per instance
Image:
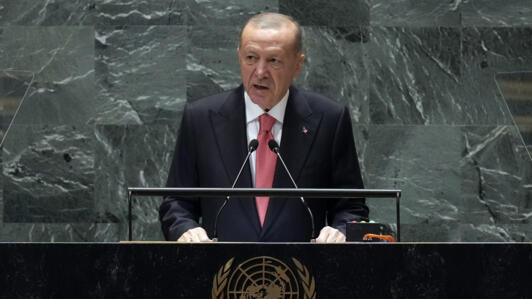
112,77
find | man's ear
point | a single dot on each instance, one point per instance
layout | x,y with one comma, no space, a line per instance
299,65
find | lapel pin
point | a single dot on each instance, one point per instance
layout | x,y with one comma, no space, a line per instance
304,130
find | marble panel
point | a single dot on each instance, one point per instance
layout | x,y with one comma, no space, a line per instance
497,49
140,12
422,161
13,88
343,13
62,59
132,156
47,13
48,174
516,88
212,61
474,177
335,67
140,72
179,12
415,13
486,52
1,199
228,12
52,53
57,232
496,13
3,43
465,232
496,176
415,74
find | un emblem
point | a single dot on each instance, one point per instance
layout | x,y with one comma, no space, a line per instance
263,277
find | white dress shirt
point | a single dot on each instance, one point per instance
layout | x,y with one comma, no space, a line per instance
253,111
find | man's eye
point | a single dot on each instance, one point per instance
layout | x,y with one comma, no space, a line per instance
249,57
275,63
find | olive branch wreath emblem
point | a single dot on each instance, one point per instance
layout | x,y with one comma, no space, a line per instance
219,282
309,285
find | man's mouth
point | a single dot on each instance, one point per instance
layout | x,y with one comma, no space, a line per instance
260,87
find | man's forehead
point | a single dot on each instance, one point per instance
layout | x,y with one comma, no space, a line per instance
268,37
254,47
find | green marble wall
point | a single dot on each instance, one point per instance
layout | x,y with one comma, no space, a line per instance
112,77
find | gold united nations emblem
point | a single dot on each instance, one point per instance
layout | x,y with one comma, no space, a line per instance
263,277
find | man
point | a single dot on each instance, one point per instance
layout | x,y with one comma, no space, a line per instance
315,138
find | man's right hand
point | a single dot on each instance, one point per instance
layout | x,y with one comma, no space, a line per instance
197,234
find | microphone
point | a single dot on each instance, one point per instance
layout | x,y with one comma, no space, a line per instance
274,147
253,144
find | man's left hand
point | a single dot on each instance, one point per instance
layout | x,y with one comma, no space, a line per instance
330,235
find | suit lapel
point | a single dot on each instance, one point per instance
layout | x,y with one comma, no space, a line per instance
300,127
229,127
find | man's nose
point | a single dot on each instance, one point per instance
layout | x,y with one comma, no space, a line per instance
262,69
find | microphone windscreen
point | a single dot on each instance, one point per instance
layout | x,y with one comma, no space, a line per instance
253,144
273,145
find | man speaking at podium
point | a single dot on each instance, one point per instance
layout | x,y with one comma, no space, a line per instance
314,136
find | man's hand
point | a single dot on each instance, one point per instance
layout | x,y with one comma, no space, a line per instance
197,234
330,235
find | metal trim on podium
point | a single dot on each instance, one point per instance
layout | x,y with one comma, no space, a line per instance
271,192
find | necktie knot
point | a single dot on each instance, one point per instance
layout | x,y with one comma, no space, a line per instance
266,122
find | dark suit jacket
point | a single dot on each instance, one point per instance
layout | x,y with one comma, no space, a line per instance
212,144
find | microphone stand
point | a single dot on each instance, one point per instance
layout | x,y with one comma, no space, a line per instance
253,144
274,147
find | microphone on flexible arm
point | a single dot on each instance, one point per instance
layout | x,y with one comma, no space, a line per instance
274,147
253,144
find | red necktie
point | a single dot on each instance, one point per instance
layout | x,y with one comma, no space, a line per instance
265,164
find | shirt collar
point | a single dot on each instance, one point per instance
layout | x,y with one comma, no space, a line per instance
253,111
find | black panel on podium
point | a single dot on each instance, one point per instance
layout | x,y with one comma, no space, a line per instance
266,270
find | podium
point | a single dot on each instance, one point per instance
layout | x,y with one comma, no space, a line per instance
248,270
252,270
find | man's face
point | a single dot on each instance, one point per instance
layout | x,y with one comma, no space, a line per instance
268,63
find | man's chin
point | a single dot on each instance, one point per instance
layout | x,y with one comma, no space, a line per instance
260,99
